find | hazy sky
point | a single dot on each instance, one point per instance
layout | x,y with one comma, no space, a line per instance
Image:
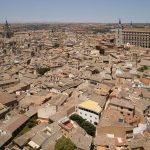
74,10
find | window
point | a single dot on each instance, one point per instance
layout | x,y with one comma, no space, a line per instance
130,109
121,120
95,123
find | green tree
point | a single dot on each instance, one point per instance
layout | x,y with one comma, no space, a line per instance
77,118
86,125
95,71
42,71
32,54
64,144
141,69
28,61
89,128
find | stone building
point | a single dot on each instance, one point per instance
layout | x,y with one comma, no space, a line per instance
90,110
132,36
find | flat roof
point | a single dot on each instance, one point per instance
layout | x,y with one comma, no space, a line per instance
136,29
122,103
18,122
91,105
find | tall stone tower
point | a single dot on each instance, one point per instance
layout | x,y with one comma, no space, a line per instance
118,34
7,31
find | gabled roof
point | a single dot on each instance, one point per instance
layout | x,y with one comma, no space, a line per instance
17,123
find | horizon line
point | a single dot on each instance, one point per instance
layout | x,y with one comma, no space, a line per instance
69,22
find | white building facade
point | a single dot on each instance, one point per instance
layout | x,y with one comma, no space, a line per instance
90,111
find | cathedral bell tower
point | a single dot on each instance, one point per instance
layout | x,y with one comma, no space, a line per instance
118,34
7,31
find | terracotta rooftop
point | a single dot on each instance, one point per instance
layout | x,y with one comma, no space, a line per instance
145,80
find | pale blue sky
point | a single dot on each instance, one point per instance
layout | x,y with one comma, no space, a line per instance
74,10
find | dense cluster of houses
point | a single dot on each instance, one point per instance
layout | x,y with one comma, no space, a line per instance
89,76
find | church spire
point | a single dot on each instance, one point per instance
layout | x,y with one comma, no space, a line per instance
119,24
7,31
119,21
131,24
6,23
7,26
